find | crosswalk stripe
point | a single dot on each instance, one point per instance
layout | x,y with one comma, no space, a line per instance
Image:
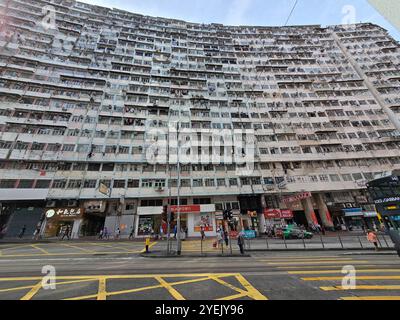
356,277
362,287
340,271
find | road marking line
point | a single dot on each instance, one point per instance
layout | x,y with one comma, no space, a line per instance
17,247
253,292
230,286
235,296
362,287
356,278
76,247
319,262
102,293
57,283
150,245
340,271
305,259
113,247
317,267
67,254
372,298
170,289
137,276
40,249
33,291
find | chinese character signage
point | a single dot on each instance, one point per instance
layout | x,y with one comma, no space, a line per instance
297,197
64,213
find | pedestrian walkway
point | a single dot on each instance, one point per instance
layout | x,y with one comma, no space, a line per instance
374,280
68,248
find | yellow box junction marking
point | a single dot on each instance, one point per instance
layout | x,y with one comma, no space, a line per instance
102,294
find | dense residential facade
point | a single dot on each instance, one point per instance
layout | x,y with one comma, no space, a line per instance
84,100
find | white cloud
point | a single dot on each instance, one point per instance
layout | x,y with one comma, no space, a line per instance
237,11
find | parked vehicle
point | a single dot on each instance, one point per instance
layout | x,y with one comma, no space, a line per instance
294,232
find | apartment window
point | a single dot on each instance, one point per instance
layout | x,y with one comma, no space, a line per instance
133,183
25,184
209,182
151,203
68,147
323,178
7,184
59,184
89,184
197,182
334,177
42,184
119,184
233,182
74,184
201,201
94,167
357,176
221,182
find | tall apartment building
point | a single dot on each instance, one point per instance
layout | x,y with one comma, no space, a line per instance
85,95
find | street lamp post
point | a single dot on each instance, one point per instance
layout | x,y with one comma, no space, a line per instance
178,222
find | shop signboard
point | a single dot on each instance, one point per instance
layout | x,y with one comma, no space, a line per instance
249,234
278,213
186,209
353,212
64,213
203,220
297,197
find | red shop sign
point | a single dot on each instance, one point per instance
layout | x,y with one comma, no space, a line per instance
297,197
186,209
278,214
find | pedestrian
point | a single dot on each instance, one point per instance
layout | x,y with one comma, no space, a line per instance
131,235
219,238
203,234
161,233
36,233
241,242
22,232
105,233
226,237
101,234
175,231
66,233
371,236
117,233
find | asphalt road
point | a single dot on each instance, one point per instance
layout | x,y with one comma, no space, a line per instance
99,271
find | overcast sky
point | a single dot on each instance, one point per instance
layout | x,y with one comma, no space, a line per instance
256,12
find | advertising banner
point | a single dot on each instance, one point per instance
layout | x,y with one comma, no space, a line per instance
203,220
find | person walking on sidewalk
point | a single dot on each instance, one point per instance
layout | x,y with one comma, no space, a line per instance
117,233
372,237
203,234
101,234
131,235
240,242
226,237
66,233
22,232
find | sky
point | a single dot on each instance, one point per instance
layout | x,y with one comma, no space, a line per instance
256,12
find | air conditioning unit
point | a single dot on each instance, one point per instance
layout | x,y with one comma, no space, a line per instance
72,203
159,189
50,204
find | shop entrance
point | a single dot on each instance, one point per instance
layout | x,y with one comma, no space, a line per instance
63,226
92,225
300,218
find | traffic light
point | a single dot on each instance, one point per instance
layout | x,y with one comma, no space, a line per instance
225,215
164,214
230,215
